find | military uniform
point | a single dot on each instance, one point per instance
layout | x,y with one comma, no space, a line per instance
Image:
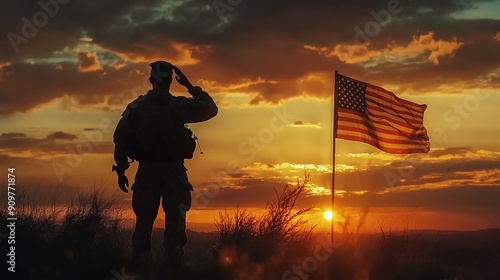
165,180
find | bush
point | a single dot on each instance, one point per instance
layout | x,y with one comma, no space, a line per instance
85,240
246,240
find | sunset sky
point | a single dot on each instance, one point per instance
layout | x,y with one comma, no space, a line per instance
68,69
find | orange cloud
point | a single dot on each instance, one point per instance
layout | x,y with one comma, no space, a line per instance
497,37
294,168
242,84
185,54
425,43
314,83
88,62
312,124
3,73
424,46
180,54
350,54
3,64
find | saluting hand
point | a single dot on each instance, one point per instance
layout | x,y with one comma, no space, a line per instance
181,78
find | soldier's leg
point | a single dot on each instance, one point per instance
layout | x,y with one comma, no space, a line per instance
145,203
176,201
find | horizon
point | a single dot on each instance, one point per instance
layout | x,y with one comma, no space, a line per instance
65,83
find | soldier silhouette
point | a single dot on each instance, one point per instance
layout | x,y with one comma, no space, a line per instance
152,130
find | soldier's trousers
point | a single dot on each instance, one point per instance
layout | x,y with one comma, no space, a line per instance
167,182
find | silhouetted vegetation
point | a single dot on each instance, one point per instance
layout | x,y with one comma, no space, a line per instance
90,239
280,230
79,242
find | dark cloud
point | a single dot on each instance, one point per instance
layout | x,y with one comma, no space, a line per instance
454,169
251,193
470,200
473,199
233,46
40,83
61,135
87,61
68,24
12,135
20,142
459,198
450,151
439,167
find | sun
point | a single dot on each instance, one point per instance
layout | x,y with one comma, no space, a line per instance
329,215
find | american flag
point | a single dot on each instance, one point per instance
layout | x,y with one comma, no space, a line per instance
373,115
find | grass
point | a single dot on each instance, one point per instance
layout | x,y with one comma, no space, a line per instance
81,242
91,240
249,247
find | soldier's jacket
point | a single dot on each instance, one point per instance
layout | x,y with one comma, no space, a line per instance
201,107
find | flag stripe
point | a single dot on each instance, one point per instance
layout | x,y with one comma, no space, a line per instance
376,134
406,129
383,106
418,108
392,100
383,132
387,120
371,114
384,142
377,111
358,120
381,145
385,149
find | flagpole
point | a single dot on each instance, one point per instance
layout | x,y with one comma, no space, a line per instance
334,126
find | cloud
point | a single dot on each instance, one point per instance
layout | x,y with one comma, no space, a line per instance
257,192
61,135
422,49
23,145
446,168
88,62
86,88
497,37
464,169
121,37
18,141
459,198
311,124
12,135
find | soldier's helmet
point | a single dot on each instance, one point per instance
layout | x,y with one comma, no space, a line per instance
161,71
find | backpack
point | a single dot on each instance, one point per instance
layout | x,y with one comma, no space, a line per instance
155,132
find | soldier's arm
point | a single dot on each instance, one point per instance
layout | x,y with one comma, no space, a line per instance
199,108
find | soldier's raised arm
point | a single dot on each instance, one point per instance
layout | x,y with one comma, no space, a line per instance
199,108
